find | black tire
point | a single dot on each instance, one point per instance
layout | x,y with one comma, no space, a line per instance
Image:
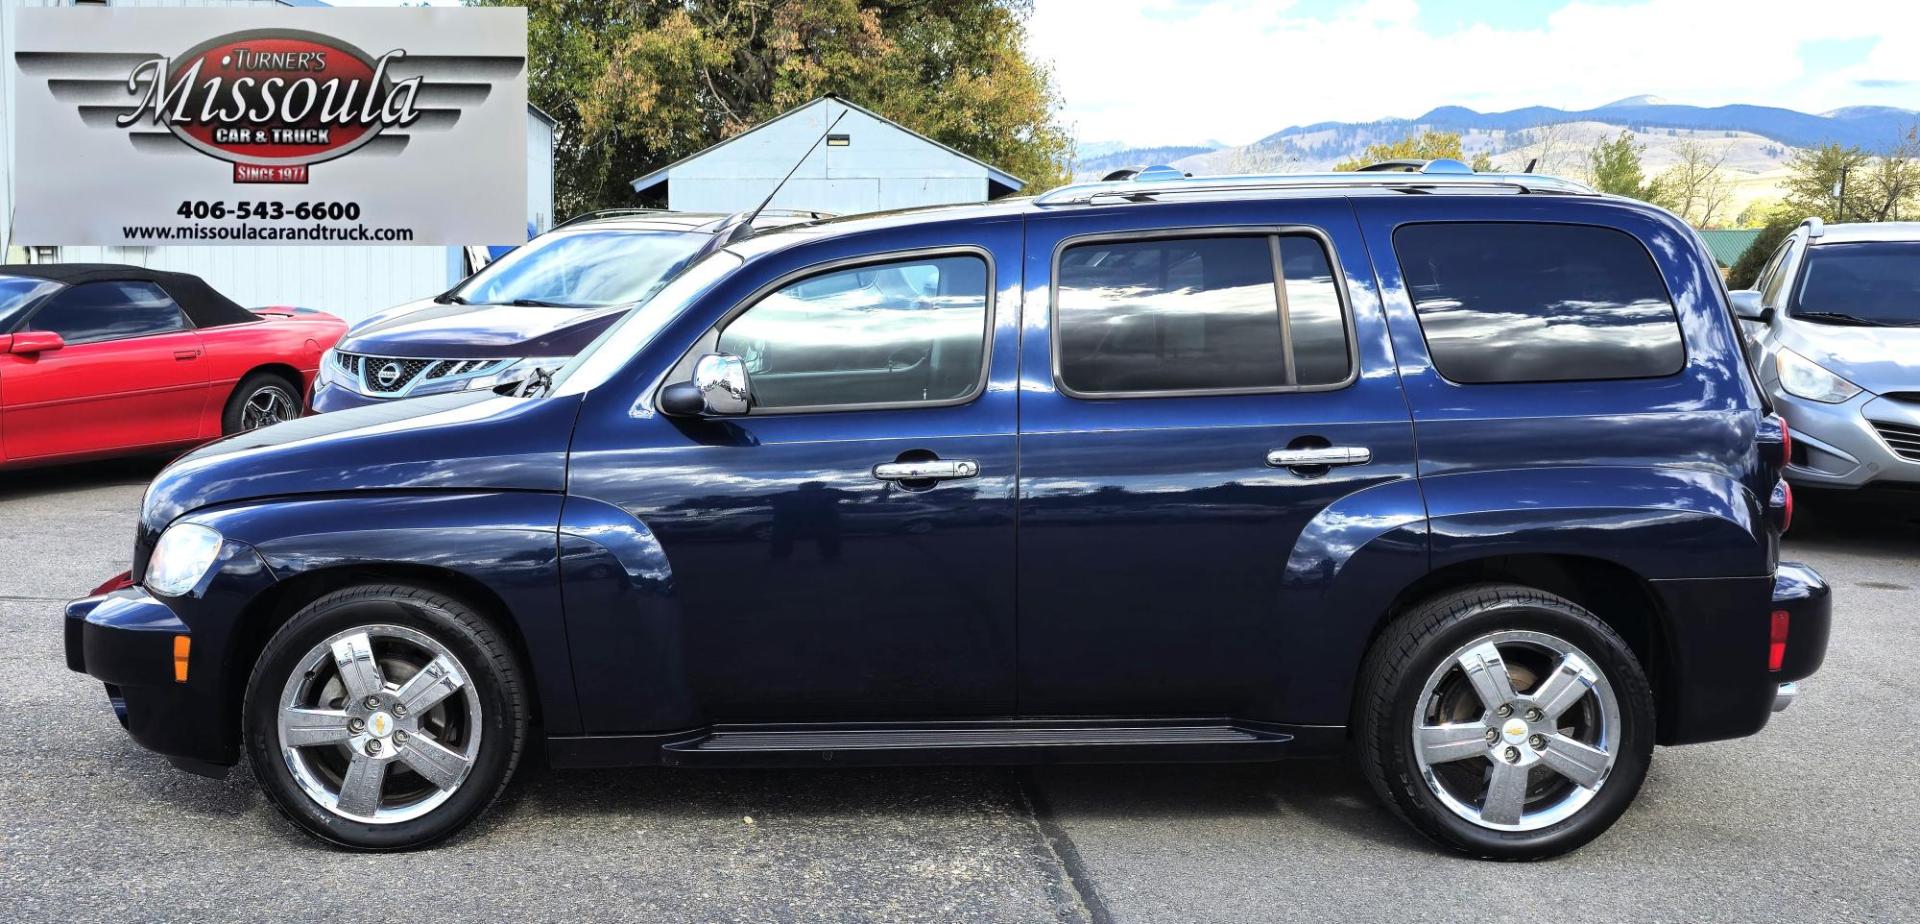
1393,685
492,672
235,419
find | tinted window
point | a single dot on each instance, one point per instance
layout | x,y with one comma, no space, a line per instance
1518,302
893,333
584,268
1878,283
17,293
1198,314
108,311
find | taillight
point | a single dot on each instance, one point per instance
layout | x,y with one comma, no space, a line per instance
1777,640
1776,444
1786,507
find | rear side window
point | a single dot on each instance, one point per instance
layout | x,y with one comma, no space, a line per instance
1535,302
1198,314
907,332
97,311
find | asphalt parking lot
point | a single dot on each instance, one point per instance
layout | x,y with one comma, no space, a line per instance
1815,819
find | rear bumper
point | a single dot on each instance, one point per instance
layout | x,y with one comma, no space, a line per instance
1804,596
1715,681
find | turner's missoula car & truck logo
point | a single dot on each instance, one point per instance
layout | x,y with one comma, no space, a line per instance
272,102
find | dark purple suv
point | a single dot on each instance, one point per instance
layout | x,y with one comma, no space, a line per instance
527,312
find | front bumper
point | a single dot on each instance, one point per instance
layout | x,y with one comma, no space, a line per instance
1836,445
125,640
329,396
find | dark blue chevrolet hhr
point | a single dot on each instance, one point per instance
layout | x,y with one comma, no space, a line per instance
1464,473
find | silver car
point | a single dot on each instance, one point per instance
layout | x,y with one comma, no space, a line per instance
1835,335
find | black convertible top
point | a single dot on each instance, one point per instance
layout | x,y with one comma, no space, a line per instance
204,306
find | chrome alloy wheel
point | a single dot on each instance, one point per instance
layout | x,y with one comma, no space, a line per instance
371,728
269,404
1516,731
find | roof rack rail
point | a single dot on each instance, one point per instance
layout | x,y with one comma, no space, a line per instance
1414,165
1815,227
1432,179
609,213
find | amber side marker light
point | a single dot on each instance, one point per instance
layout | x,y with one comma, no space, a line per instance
1776,648
181,645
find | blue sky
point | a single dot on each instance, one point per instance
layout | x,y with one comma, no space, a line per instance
1182,71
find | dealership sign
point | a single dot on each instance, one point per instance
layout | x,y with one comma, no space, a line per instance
274,126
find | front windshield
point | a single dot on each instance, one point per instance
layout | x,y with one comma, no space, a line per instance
16,293
609,352
1877,284
586,269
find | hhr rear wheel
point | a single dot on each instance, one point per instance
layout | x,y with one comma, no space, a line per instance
1505,722
384,717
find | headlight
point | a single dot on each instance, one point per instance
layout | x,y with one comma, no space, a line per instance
181,558
1807,379
519,371
330,371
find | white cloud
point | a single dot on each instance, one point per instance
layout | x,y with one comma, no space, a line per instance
1180,71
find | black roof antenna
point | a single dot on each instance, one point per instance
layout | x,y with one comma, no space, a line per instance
745,227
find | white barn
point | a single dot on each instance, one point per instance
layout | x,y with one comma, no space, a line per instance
868,163
352,281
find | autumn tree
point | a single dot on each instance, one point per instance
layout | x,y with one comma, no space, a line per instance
1696,188
634,85
1426,145
1893,181
1555,150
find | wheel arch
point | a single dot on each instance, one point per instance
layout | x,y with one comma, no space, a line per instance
1620,597
495,551
273,607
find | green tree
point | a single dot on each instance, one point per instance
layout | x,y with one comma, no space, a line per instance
1815,187
1614,167
1427,145
1746,270
634,85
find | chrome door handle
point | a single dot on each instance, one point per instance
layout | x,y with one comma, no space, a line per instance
934,470
1331,455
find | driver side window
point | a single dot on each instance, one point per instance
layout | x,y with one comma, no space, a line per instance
96,311
899,333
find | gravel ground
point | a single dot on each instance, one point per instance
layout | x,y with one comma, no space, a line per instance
1814,819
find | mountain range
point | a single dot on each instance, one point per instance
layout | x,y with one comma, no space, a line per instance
1770,131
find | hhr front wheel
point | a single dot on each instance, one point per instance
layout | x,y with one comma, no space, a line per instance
384,717
1505,722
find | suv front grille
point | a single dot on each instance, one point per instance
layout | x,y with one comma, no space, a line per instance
1903,440
394,375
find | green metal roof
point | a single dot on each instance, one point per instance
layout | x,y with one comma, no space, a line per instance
1728,244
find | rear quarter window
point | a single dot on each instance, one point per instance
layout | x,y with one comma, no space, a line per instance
1537,302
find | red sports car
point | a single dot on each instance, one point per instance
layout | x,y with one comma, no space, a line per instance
101,359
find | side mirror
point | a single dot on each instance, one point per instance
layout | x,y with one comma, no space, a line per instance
30,342
719,388
1747,307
